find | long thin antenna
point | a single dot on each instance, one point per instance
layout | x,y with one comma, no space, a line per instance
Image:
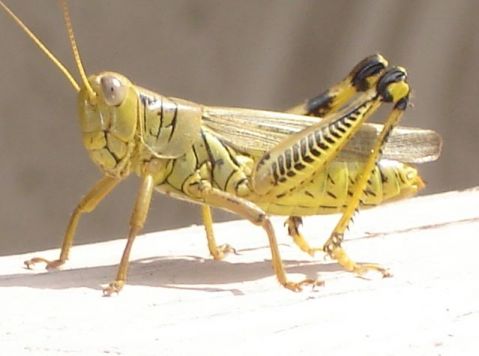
76,53
42,47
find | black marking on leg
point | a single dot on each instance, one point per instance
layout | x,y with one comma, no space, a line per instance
323,146
367,68
280,161
311,142
402,103
329,140
312,146
308,159
393,75
296,150
299,166
304,147
319,105
336,239
263,159
287,158
340,128
334,133
333,242
274,167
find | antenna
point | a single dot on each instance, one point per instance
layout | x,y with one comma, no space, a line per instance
42,47
76,53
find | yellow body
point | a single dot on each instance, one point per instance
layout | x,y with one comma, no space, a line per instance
320,157
153,134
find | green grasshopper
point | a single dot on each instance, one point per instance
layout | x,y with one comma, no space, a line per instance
319,157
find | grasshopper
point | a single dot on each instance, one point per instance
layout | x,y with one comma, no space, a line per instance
319,157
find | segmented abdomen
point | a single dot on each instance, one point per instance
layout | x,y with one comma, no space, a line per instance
330,190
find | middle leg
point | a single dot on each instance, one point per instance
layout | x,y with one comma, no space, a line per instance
218,252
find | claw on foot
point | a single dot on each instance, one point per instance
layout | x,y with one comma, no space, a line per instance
222,251
298,286
49,265
113,287
362,269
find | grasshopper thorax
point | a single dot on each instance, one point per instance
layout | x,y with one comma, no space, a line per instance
108,121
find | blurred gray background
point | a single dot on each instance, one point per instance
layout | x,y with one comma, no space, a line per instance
257,54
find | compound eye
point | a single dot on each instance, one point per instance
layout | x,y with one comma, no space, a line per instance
114,91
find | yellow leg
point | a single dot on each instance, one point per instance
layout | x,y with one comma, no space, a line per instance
392,87
257,216
293,223
218,252
88,203
361,78
137,221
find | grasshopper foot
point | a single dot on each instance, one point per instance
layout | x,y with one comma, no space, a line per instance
298,286
362,269
113,287
293,223
223,250
49,265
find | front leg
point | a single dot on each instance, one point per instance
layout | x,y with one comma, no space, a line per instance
88,203
137,221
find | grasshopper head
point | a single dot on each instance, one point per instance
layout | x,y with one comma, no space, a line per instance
108,121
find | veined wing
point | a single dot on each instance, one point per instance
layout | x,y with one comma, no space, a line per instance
259,131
